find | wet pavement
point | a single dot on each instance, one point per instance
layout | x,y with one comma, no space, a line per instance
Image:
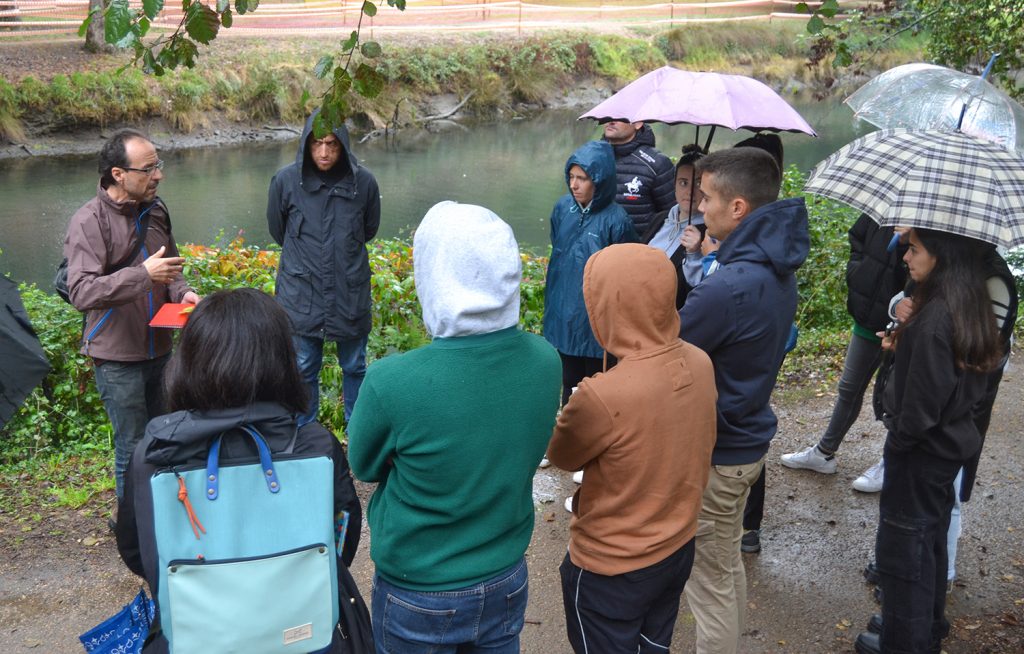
806,592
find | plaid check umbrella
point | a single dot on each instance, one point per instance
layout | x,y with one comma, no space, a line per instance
942,180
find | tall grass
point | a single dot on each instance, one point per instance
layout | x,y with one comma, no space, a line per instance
256,81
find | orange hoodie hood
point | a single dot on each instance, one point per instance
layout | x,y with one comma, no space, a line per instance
630,293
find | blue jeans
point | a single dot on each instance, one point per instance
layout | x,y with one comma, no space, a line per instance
132,394
486,617
309,354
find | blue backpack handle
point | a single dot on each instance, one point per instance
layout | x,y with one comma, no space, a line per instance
213,464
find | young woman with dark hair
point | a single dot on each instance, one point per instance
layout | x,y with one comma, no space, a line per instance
668,228
236,351
943,352
234,366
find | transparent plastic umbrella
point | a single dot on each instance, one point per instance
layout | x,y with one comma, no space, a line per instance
926,96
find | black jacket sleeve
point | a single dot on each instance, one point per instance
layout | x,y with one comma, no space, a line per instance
126,531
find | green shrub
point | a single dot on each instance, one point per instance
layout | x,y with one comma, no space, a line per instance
10,113
821,281
66,411
187,95
624,59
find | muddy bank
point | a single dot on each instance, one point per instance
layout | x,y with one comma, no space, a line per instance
414,108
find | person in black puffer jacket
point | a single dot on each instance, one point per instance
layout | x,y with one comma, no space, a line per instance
874,274
645,178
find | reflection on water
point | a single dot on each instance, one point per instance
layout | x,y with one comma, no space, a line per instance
513,168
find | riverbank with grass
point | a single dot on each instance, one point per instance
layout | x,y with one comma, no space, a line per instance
56,99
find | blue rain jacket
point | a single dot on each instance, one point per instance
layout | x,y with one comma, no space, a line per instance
577,233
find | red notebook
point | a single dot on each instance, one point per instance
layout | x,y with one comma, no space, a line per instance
173,316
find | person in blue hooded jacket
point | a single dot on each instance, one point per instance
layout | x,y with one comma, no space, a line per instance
584,220
741,317
322,210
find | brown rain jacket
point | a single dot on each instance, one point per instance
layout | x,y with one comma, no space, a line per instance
119,305
642,432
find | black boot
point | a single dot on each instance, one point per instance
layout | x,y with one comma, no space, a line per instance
875,624
867,643
871,574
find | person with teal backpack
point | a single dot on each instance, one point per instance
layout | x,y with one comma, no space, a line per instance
236,517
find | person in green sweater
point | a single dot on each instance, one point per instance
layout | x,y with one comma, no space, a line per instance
452,433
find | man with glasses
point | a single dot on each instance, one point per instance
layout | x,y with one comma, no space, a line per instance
123,265
322,210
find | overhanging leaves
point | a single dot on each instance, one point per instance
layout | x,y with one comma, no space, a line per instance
323,66
371,49
152,7
369,8
202,23
117,21
367,81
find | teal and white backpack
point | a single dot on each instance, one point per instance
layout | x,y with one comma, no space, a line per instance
247,553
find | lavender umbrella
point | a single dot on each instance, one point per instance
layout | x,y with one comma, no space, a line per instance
673,96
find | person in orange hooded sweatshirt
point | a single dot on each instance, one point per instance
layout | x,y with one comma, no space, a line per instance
643,432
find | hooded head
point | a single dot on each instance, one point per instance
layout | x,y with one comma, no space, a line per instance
597,159
467,269
346,161
630,293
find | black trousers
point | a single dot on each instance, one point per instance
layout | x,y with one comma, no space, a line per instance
574,369
753,512
632,612
910,551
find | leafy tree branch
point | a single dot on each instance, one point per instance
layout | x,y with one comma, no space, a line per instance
961,35
126,28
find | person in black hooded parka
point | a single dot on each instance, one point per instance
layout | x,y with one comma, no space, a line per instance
234,365
322,210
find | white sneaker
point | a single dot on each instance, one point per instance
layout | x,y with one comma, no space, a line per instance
871,480
568,504
544,463
578,476
810,459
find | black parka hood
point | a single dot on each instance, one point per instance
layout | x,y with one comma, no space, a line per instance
185,435
347,163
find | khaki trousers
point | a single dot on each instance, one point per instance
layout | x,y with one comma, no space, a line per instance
717,589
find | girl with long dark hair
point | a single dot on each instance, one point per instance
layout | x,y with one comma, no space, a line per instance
234,366
942,354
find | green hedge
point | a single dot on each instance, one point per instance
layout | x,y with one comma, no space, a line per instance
65,415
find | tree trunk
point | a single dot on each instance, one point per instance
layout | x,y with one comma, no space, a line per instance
94,41
6,6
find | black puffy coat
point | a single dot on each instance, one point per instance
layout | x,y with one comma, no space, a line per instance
873,273
323,281
645,179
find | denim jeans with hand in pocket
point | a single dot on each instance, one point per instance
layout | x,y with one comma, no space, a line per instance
486,617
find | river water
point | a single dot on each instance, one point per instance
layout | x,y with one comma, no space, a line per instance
513,168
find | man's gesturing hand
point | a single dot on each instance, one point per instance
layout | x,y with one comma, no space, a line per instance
163,270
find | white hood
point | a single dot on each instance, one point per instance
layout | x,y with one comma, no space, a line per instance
467,268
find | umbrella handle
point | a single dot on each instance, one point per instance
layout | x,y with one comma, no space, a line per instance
984,75
707,144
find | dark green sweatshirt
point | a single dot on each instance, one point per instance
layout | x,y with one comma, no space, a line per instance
453,433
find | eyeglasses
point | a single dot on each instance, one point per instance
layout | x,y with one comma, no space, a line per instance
148,170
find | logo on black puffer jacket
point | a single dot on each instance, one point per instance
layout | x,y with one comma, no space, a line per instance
633,188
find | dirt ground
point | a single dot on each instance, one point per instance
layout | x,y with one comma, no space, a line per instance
806,595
